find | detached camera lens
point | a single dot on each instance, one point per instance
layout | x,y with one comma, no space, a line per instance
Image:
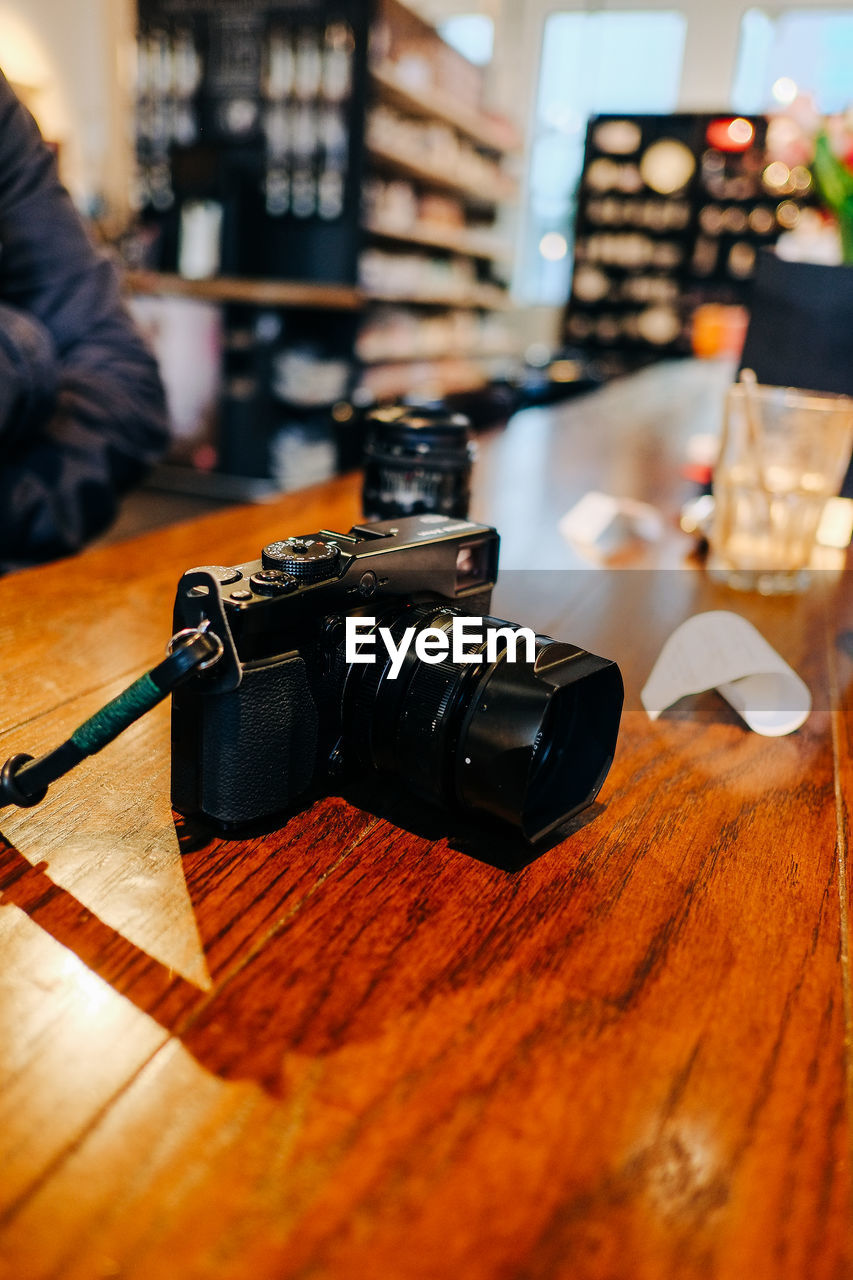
417,461
528,742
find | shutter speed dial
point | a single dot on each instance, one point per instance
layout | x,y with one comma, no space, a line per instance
308,559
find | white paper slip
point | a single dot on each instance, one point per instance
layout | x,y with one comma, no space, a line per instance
603,525
720,650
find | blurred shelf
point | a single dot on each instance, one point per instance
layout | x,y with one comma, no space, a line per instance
264,293
470,167
424,377
504,189
481,298
435,236
493,133
459,353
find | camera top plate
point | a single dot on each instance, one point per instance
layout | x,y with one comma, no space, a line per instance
299,580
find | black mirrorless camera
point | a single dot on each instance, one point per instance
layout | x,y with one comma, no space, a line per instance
292,703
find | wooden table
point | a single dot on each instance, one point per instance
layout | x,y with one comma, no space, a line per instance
348,1049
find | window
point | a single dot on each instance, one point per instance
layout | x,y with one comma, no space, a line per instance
472,35
591,62
802,49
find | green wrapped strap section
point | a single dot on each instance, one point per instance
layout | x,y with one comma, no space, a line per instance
24,781
117,715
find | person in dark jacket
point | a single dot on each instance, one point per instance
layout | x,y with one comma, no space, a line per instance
82,409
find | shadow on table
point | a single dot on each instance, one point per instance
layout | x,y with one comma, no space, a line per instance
479,836
293,983
487,841
120,962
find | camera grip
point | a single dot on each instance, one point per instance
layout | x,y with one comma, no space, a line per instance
246,754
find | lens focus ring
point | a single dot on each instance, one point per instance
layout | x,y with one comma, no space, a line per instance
406,725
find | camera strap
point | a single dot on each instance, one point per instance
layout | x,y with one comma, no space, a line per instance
24,780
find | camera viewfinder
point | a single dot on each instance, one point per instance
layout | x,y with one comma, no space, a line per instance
475,566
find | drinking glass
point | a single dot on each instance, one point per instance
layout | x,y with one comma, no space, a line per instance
783,454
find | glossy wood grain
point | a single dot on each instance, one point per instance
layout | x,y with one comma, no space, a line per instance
381,1043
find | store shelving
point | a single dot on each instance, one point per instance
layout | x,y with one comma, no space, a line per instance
672,213
263,137
264,293
414,356
498,189
494,133
428,143
481,298
461,241
427,378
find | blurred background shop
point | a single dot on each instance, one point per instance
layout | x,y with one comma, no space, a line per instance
323,207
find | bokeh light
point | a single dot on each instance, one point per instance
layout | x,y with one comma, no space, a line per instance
553,246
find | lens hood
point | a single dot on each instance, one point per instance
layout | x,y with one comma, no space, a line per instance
528,742
538,740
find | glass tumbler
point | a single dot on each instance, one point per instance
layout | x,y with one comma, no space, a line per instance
783,453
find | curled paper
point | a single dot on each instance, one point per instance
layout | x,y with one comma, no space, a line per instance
720,650
602,526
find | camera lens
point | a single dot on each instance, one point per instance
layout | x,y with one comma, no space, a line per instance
528,742
416,461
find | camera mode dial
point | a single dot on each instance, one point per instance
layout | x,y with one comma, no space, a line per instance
308,559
